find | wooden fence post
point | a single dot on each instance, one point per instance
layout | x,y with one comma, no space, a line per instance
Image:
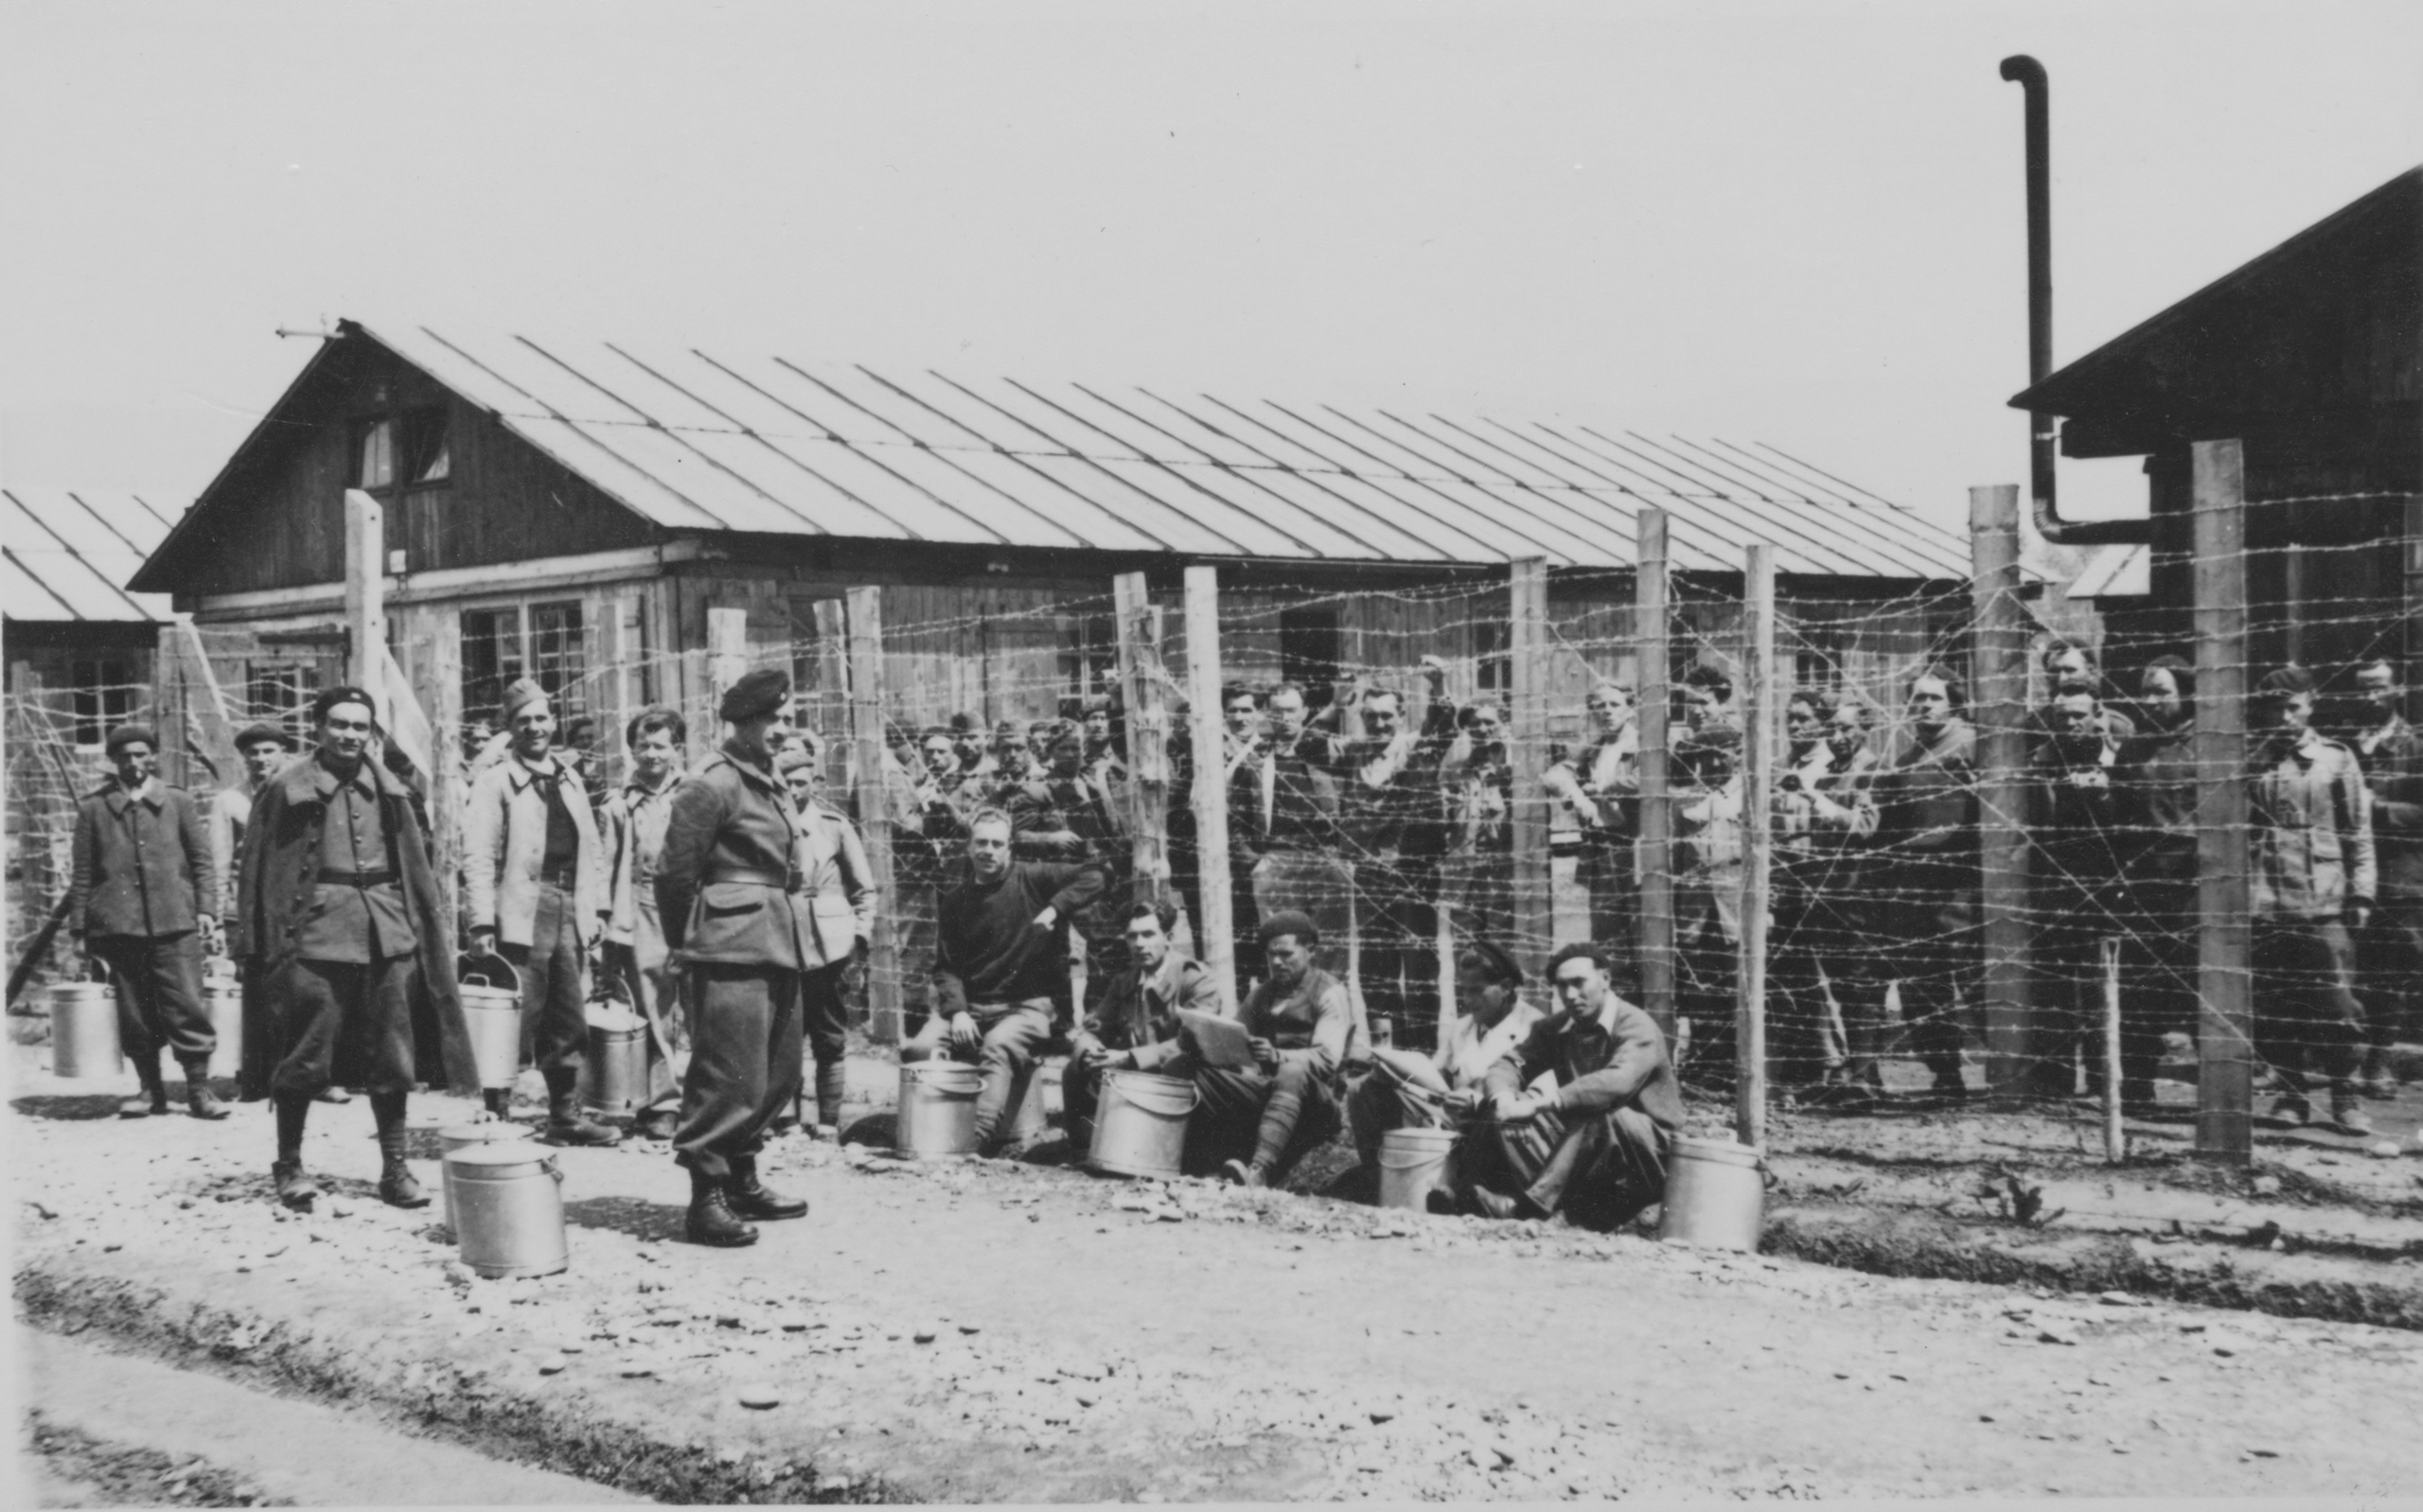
1998,675
1527,746
1655,843
1216,939
1761,712
2225,1038
365,584
875,810
1143,684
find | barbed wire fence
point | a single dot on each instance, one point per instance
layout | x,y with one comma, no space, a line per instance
1988,861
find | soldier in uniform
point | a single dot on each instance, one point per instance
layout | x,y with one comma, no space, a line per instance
143,898
635,949
534,879
348,949
734,907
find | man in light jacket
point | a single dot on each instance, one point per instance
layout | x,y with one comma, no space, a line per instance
2309,840
534,883
635,818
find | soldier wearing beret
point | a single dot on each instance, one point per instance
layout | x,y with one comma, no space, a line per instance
534,883
735,906
348,950
143,897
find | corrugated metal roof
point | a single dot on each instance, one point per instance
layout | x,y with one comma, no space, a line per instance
696,441
2114,571
66,557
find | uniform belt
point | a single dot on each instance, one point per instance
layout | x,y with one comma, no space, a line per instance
332,878
785,881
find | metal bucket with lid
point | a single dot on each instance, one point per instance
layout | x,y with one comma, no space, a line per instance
613,1075
937,1114
84,1030
1414,1162
471,1136
507,1203
1716,1194
1139,1124
224,996
492,1012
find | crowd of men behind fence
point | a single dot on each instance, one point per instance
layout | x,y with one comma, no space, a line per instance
730,905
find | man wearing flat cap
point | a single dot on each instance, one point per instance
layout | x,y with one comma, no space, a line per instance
1307,1038
1407,1090
264,748
735,906
349,952
143,898
534,885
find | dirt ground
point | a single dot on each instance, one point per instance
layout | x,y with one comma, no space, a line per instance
998,1332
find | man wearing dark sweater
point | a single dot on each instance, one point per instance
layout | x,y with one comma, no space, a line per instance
1595,1145
996,950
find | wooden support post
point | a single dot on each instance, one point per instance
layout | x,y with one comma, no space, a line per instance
875,811
2116,1133
1761,710
1998,676
1143,685
365,607
1527,746
444,679
1216,940
1655,843
2225,1028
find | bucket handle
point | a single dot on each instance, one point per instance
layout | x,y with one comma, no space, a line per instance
486,967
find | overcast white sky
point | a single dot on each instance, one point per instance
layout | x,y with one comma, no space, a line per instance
1794,224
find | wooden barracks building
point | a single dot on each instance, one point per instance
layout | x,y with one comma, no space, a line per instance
626,526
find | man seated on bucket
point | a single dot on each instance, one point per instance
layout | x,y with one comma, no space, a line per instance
1409,1090
997,948
1594,1146
1134,1026
1307,1035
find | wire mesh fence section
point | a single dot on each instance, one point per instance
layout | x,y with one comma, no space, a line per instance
1427,767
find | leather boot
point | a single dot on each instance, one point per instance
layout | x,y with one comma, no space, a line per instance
831,1081
710,1220
154,1095
566,1123
399,1188
752,1198
200,1100
294,1187
2346,1111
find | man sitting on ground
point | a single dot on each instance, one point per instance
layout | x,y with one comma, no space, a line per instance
1407,1090
1306,1033
995,956
1595,1146
1136,1026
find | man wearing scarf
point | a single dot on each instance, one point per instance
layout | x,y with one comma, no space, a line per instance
535,888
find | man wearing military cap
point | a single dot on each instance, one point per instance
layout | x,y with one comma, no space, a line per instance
736,906
535,888
348,950
143,897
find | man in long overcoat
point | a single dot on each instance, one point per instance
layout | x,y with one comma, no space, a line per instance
346,946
